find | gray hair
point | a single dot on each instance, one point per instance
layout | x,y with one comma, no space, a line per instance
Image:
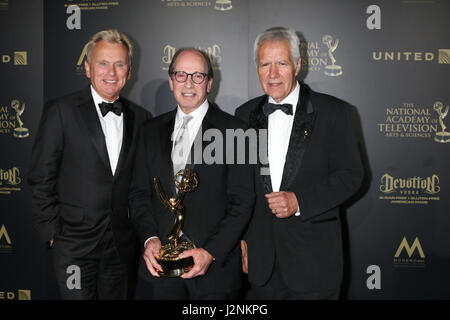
279,34
111,35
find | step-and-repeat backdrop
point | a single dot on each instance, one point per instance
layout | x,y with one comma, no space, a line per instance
389,59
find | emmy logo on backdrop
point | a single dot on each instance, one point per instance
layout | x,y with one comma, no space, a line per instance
442,136
20,132
333,69
185,181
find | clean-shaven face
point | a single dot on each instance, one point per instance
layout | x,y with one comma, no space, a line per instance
109,69
190,95
276,69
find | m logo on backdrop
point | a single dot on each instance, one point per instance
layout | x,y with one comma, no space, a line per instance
80,67
415,255
5,241
214,52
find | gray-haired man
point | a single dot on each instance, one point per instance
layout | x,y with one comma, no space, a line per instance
80,173
293,246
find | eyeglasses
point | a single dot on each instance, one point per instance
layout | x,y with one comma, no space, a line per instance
197,77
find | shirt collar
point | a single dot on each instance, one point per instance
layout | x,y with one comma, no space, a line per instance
97,100
292,98
197,115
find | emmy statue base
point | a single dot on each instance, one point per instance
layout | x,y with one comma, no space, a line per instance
333,70
21,132
171,263
442,137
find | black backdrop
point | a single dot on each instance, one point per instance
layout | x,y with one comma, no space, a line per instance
391,64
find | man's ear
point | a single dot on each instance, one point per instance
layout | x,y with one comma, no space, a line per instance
87,68
298,67
209,86
170,83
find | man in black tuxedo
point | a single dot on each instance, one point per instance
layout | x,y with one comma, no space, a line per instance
217,212
293,245
80,173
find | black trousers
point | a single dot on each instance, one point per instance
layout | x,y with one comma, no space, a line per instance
150,287
184,289
276,289
100,275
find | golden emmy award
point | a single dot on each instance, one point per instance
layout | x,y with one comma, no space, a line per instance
442,136
333,69
20,132
185,181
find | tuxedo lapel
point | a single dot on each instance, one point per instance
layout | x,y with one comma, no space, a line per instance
90,117
300,135
258,120
128,126
167,175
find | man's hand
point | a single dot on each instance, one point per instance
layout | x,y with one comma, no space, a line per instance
51,243
244,256
202,261
150,254
283,204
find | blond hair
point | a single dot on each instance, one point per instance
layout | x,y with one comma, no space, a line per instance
111,35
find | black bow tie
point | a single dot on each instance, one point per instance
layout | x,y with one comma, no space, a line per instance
115,107
270,108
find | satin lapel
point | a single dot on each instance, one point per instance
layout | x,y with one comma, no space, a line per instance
128,126
300,136
90,117
258,120
167,175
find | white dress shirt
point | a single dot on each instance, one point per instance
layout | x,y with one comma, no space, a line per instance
279,131
112,127
192,126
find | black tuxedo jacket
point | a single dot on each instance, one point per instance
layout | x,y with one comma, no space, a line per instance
216,213
323,168
76,198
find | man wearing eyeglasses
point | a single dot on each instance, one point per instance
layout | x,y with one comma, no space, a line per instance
216,213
